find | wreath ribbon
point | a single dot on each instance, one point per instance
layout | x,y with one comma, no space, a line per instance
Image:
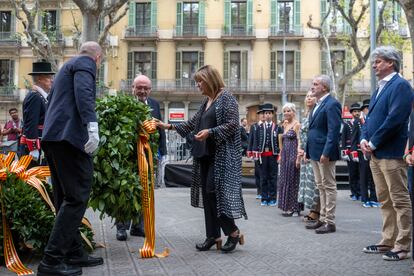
144,150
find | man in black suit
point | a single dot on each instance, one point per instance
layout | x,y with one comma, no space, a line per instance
34,109
70,136
142,88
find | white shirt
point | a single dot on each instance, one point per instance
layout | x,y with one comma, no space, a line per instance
318,103
41,91
383,82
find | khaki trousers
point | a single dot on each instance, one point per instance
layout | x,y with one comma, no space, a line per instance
390,178
326,183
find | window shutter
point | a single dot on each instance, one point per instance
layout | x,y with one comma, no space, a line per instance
249,17
179,25
348,64
178,67
11,72
324,10
297,70
398,12
347,27
154,17
131,14
58,24
274,17
13,24
227,17
273,69
324,62
201,18
154,66
226,58
130,69
200,59
244,69
297,24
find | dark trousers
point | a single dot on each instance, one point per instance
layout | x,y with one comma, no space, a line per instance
257,177
353,170
72,175
213,221
268,177
125,225
366,181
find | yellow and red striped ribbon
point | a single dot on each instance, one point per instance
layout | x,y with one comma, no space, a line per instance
144,149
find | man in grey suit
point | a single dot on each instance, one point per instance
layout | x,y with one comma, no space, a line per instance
322,149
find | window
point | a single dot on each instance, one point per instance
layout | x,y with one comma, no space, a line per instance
290,68
142,64
238,17
235,66
190,18
143,18
338,63
6,72
285,9
5,24
49,21
190,65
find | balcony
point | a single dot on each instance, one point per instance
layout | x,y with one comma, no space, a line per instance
55,37
8,93
288,33
190,32
238,32
141,33
9,39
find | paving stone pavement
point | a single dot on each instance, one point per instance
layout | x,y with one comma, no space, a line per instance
274,245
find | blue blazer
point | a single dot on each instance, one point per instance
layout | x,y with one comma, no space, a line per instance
156,113
386,124
324,127
72,103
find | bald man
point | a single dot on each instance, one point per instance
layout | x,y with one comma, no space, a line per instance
142,89
70,136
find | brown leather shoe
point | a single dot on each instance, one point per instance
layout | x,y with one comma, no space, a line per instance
326,228
313,224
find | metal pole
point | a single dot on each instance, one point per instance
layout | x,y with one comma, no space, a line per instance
284,94
373,41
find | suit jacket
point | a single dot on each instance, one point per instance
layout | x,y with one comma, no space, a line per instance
324,127
34,110
260,142
156,113
387,120
72,102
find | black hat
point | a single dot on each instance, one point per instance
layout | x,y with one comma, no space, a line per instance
260,109
365,103
42,68
268,107
355,106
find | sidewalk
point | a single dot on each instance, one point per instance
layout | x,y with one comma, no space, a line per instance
275,245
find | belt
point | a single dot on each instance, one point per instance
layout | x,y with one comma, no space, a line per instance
266,153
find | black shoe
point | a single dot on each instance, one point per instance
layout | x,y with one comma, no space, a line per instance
208,243
326,228
231,242
137,232
84,261
313,224
121,235
60,269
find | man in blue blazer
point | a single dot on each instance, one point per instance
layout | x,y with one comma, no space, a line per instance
384,137
70,136
322,149
142,88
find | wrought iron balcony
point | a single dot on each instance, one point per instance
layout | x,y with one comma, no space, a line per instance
141,32
190,31
238,31
276,31
8,39
8,93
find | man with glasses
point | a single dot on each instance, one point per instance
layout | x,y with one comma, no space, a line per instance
34,109
141,88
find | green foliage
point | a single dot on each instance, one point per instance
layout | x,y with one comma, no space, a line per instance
117,190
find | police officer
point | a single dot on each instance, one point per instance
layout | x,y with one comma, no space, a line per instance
34,109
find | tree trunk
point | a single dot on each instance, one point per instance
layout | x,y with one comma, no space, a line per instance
90,25
408,7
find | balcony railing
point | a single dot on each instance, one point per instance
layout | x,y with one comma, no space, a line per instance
55,36
141,31
286,32
190,30
8,93
8,38
238,31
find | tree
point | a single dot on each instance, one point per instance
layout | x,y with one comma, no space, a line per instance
408,7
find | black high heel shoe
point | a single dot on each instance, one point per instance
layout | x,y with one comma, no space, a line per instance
208,243
231,242
291,213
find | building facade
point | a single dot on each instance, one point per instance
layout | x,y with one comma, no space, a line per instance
251,42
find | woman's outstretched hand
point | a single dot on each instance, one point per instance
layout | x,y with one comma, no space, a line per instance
201,135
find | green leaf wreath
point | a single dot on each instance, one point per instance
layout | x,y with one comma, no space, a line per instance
117,191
